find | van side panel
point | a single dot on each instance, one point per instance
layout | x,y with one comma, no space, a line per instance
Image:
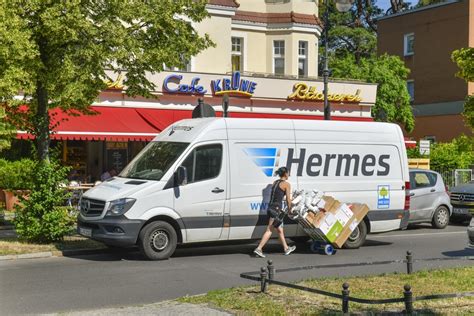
254,155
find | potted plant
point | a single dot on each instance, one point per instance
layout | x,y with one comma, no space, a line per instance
15,180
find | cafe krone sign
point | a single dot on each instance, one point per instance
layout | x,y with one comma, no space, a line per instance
303,92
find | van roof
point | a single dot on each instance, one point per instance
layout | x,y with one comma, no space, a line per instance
387,132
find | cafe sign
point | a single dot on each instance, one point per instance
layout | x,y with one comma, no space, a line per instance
303,92
234,86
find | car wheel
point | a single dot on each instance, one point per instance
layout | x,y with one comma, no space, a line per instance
157,240
300,239
440,217
357,238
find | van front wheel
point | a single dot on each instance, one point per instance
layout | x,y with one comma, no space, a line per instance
357,238
157,240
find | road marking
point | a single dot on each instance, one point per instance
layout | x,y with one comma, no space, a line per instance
429,234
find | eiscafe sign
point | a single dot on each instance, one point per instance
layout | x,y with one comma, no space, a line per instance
303,92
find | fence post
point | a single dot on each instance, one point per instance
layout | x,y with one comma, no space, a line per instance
271,270
408,296
409,262
263,279
345,298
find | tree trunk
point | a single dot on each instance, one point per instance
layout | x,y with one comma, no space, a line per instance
42,124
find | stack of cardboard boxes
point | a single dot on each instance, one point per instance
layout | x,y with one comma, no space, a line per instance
335,221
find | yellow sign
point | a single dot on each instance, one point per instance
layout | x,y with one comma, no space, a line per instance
117,145
305,93
117,84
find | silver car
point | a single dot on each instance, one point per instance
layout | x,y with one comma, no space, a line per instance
429,199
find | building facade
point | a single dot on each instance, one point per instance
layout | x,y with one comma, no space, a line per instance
425,38
264,60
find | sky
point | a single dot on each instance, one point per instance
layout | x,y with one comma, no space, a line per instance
383,4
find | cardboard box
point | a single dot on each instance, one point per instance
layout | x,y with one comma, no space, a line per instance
359,211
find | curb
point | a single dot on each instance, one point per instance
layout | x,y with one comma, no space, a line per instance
55,253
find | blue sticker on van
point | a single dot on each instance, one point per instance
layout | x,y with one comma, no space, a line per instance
383,199
265,158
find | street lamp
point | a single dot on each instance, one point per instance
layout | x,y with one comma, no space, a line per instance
341,6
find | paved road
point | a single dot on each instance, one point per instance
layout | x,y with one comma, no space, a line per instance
123,278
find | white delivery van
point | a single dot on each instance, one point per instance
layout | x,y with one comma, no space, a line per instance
209,179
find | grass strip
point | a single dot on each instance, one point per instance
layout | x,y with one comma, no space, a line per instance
284,301
12,246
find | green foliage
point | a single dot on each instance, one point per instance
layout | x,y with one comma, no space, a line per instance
59,53
415,153
17,175
424,3
390,73
352,32
7,131
457,154
464,58
42,218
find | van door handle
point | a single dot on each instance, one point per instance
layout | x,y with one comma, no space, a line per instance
217,190
432,190
412,194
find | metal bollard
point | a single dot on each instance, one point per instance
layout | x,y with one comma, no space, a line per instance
271,270
409,262
408,296
263,279
345,298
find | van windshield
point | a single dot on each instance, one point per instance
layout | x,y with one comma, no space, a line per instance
154,160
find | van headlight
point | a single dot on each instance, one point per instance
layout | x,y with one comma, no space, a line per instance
119,207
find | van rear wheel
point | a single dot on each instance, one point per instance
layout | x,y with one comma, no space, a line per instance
357,238
157,240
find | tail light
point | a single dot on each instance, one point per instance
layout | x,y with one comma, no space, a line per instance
447,190
407,196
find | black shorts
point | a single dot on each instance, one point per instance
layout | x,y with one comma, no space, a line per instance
272,213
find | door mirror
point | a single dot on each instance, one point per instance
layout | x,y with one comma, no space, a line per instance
181,176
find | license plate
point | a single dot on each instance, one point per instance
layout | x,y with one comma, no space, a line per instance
85,232
461,211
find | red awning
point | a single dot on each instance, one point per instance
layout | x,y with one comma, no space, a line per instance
140,124
111,123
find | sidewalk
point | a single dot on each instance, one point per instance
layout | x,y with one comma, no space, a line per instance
168,308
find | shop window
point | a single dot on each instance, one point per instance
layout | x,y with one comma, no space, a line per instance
237,54
302,58
279,57
409,44
411,89
204,163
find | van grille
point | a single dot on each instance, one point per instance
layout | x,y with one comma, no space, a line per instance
90,207
462,197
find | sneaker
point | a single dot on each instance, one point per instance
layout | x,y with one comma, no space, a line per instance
290,250
258,253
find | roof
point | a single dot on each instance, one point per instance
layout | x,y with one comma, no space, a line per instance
224,3
424,8
276,18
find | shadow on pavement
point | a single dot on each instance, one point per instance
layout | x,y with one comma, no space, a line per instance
209,249
467,252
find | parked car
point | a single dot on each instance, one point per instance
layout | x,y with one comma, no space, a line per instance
462,200
470,233
429,199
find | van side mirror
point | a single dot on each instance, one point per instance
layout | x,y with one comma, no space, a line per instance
181,176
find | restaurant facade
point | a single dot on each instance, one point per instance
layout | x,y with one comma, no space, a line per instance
121,127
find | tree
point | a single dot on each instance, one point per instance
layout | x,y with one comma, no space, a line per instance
56,53
352,32
353,55
464,58
7,132
389,72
